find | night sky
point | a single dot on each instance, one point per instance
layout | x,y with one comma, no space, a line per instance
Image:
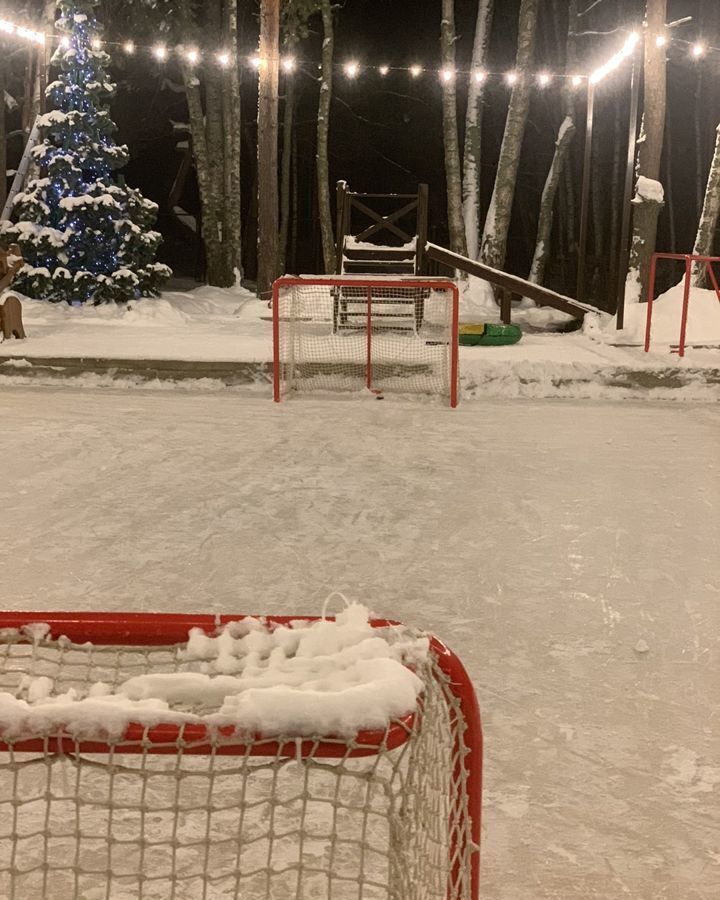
386,134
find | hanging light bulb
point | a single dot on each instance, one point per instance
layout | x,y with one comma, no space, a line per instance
660,40
223,59
511,77
383,70
576,80
96,44
159,51
129,47
192,56
447,75
255,61
288,64
416,71
698,50
479,76
631,43
351,69
544,79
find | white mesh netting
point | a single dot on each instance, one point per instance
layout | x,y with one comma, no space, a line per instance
336,335
154,821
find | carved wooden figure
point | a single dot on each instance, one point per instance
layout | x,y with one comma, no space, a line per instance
11,262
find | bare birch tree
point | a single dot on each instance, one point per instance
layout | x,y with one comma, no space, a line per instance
208,148
268,90
323,129
214,118
565,135
497,222
473,129
648,200
453,173
705,238
232,114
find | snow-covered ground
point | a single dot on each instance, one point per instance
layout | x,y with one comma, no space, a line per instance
566,551
209,324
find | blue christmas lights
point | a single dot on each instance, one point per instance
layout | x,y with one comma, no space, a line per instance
66,225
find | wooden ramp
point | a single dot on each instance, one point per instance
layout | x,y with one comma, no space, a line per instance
509,286
386,234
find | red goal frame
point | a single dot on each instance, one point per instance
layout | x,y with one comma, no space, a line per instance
160,629
689,259
369,284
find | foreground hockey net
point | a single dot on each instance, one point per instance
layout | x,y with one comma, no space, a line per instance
352,333
178,811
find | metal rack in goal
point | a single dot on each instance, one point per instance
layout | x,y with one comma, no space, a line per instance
180,811
389,335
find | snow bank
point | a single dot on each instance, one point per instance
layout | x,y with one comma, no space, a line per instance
321,677
703,324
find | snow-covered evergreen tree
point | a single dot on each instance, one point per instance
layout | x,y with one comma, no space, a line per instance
84,234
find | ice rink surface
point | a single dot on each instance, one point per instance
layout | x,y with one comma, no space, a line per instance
567,551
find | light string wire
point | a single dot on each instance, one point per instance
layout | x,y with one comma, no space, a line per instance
352,69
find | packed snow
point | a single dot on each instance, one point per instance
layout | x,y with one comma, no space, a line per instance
326,677
210,324
566,551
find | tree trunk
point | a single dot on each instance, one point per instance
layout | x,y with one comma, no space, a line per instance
564,139
497,223
3,139
648,201
219,151
453,173
233,162
669,193
269,72
598,203
699,159
294,205
615,209
209,201
287,151
214,128
473,130
705,238
28,110
323,128
545,222
569,191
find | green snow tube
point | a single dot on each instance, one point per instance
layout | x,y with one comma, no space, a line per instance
489,335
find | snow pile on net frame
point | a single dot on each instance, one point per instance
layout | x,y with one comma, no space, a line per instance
328,677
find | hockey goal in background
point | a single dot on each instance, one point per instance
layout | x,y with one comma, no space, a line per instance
691,262
173,812
362,333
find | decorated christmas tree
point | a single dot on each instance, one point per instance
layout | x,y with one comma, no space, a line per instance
84,234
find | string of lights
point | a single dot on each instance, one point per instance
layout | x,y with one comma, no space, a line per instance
36,37
353,69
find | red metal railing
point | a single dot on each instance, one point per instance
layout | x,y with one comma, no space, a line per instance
690,260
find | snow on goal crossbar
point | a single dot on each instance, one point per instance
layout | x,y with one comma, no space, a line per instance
384,335
163,809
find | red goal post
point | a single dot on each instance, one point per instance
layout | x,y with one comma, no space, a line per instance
691,262
201,812
383,335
